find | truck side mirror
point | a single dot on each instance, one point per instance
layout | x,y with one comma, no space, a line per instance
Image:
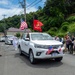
26,39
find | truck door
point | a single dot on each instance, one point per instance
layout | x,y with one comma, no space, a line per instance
27,40
23,42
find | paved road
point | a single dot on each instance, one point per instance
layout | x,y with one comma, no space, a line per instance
11,63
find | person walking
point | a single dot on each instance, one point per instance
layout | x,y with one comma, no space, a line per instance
69,44
15,43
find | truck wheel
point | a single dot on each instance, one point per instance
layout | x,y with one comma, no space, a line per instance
20,51
58,59
31,57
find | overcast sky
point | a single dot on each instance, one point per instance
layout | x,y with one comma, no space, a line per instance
13,7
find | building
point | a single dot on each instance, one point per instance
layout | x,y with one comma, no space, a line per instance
1,34
13,31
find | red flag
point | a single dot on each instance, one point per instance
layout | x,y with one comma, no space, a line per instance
38,29
37,25
23,25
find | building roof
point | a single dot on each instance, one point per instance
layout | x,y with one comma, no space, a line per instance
12,29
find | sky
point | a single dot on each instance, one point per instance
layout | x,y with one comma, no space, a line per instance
10,8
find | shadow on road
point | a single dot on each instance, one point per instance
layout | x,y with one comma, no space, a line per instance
40,63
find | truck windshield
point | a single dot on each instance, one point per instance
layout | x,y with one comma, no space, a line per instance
41,36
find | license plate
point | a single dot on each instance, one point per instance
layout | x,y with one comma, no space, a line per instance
54,54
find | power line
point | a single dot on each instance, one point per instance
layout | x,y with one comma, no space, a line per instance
15,10
31,3
15,7
24,6
35,4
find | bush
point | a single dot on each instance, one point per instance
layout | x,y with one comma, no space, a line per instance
72,27
64,28
65,23
71,19
18,35
52,33
61,34
54,29
72,30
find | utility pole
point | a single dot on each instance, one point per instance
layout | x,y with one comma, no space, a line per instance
4,16
23,4
25,9
4,26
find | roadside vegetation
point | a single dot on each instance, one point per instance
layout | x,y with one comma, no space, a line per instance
58,17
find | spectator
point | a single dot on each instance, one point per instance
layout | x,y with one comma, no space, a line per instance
57,38
68,42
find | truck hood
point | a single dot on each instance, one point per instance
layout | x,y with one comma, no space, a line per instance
47,42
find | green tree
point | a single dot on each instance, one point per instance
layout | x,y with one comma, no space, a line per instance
1,27
18,35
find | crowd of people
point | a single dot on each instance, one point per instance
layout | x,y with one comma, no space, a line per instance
69,42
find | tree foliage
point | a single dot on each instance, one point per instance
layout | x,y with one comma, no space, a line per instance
52,15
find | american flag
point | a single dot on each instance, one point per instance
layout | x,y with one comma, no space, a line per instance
49,50
23,25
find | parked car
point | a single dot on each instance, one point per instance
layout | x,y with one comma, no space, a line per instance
9,39
40,46
2,38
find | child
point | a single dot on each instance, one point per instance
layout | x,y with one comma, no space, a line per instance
15,42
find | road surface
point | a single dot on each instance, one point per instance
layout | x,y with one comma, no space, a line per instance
11,63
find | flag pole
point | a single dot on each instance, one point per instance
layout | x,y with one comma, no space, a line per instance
25,12
23,4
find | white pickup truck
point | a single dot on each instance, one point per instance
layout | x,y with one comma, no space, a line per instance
39,45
